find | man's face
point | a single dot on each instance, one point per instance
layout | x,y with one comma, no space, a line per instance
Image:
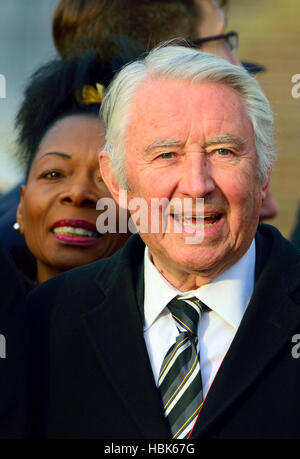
213,22
195,141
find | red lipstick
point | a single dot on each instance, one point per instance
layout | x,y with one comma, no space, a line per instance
75,224
75,232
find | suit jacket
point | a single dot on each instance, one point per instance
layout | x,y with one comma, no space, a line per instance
14,374
295,236
94,378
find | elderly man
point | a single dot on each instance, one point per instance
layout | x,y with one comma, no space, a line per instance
190,331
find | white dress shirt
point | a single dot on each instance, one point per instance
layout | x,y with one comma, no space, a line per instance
227,296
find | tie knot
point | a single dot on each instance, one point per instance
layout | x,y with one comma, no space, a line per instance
187,312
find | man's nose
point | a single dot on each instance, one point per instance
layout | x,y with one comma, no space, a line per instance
81,192
196,180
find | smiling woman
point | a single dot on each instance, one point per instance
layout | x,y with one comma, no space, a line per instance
60,136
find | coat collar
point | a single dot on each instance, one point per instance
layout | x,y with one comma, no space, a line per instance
271,318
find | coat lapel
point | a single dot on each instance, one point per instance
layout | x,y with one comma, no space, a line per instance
268,324
115,329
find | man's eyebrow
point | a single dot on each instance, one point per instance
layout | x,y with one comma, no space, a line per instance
162,143
55,153
221,139
227,138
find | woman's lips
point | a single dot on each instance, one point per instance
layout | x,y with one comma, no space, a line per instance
75,231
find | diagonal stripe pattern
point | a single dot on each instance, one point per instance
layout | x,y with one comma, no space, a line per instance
179,380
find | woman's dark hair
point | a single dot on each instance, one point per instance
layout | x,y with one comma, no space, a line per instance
55,90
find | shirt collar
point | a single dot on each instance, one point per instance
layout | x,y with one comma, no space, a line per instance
228,295
157,298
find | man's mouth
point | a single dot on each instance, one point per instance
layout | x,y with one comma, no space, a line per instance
78,231
198,221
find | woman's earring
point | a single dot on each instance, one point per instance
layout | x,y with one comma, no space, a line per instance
16,227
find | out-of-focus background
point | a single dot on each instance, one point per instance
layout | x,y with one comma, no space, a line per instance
25,43
269,34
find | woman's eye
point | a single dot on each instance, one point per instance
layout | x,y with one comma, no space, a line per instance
99,179
52,175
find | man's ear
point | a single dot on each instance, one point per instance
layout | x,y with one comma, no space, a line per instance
108,177
269,208
19,214
265,188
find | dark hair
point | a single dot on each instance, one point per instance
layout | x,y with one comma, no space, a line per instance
55,91
79,25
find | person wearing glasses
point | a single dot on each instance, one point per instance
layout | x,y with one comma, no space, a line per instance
79,25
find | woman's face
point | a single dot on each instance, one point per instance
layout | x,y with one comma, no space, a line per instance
57,212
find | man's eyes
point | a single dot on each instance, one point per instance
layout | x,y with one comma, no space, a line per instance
223,152
167,155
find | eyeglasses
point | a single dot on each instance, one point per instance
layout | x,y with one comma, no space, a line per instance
231,38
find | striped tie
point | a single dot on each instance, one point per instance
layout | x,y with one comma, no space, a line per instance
180,378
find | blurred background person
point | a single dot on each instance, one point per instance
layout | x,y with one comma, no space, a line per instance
60,135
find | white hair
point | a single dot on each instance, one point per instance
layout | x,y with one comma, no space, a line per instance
181,62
